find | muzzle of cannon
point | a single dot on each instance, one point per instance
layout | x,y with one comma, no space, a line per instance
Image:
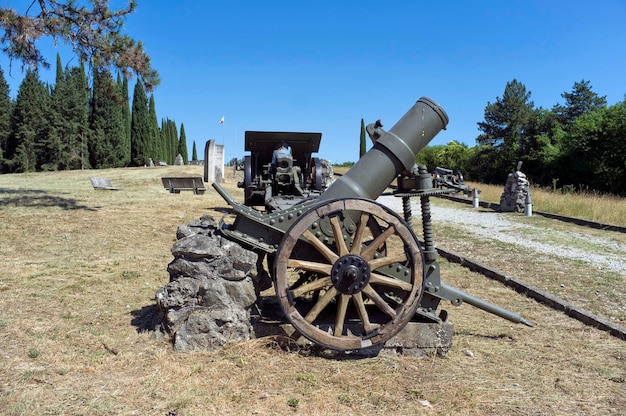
393,152
348,272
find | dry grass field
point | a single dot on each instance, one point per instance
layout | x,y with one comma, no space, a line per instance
606,209
79,272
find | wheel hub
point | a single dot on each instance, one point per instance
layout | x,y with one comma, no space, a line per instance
350,274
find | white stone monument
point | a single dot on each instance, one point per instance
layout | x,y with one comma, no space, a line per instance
213,162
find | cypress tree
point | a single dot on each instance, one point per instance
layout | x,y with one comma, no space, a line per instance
362,147
56,134
77,116
6,108
156,148
163,141
140,131
107,145
172,140
194,154
59,73
29,125
67,140
123,85
182,144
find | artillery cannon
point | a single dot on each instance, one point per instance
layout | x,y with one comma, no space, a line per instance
445,178
280,170
348,272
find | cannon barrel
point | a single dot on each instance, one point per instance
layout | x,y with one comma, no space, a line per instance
393,152
457,296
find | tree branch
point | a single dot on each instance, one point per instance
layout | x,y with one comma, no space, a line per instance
95,35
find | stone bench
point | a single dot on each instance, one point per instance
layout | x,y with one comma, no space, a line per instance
102,183
175,184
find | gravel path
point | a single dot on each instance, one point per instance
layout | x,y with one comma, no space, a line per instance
599,252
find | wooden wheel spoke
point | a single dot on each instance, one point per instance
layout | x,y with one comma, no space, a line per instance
320,246
360,308
385,261
379,301
358,235
321,304
311,286
310,266
369,251
338,234
340,319
379,279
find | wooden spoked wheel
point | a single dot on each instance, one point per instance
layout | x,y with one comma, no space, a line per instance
349,274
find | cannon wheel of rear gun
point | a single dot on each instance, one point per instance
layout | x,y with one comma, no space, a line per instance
247,178
316,173
355,296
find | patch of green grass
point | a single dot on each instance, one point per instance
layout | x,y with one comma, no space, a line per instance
67,315
27,375
97,357
344,399
40,295
180,404
33,353
306,378
129,274
37,275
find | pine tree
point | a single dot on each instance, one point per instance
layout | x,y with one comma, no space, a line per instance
94,33
506,126
582,100
140,130
182,144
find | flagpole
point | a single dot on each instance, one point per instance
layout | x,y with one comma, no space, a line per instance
223,131
223,125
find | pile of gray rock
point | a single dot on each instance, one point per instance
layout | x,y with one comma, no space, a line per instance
516,190
208,300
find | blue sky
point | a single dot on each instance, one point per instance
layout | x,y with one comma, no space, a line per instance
322,65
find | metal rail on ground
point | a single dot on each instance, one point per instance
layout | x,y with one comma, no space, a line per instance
572,220
532,292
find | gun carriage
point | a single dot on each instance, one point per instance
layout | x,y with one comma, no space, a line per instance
280,170
348,272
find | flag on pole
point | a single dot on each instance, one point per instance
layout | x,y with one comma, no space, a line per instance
222,120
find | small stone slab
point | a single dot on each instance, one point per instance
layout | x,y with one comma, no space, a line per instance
102,183
416,339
